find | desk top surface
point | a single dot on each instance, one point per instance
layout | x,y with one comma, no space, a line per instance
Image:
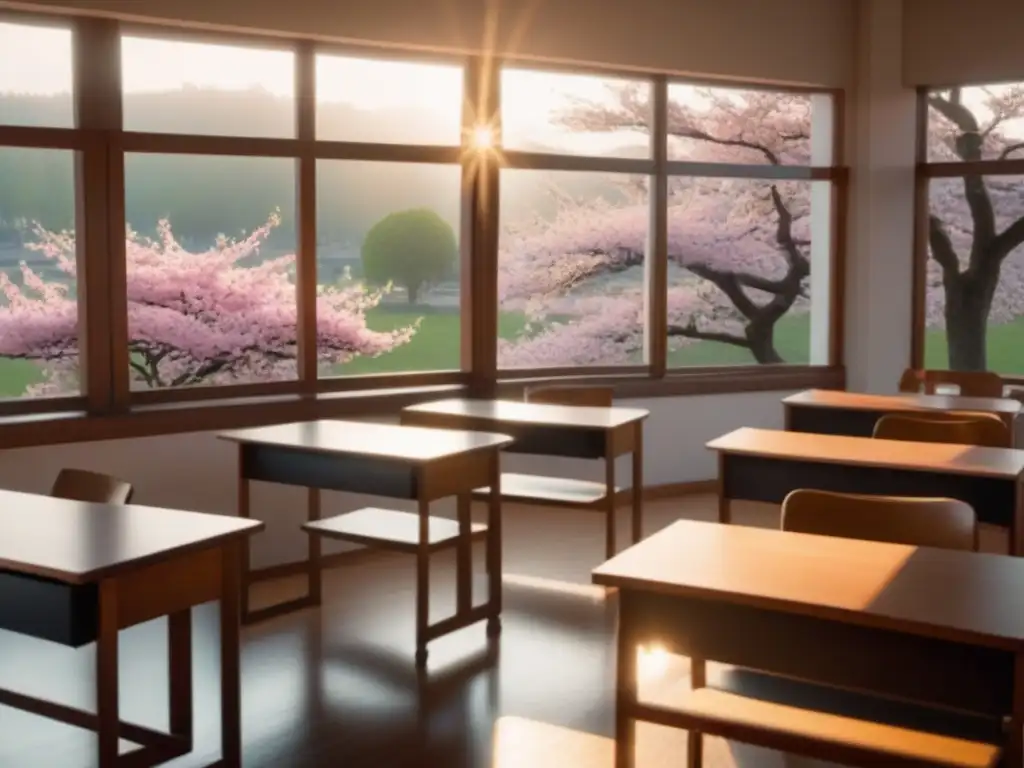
962,596
832,398
359,438
79,542
540,414
1006,463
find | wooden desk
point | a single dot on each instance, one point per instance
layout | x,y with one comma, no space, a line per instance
765,465
577,432
834,412
382,460
941,628
74,573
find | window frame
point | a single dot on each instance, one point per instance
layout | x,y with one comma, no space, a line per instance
107,408
924,173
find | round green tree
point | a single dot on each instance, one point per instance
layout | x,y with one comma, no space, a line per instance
412,248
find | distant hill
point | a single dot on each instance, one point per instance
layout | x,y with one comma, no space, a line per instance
207,196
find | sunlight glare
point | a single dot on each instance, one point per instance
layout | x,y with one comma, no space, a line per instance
483,137
652,662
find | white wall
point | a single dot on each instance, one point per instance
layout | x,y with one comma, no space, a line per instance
952,42
198,472
804,41
879,263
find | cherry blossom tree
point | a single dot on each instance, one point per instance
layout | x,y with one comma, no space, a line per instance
193,317
976,226
743,245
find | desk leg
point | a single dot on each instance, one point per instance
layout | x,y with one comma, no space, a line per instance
423,586
179,652
625,688
494,547
313,570
1013,750
243,512
609,495
638,483
1015,534
108,719
230,651
724,510
464,556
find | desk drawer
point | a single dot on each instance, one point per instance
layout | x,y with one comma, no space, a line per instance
49,610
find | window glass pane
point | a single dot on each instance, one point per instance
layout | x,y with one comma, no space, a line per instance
974,310
571,269
730,125
38,275
575,114
739,275
35,76
984,122
389,248
172,86
211,272
388,102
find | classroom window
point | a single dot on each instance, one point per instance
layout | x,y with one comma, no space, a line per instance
177,86
387,267
210,270
739,271
39,343
388,102
745,126
571,262
36,87
570,114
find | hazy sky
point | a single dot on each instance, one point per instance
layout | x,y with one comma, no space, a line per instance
38,60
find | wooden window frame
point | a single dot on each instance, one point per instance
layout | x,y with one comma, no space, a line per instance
107,408
924,172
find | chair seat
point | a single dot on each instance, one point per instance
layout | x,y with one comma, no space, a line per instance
553,490
829,736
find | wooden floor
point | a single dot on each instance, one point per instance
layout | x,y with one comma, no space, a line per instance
336,688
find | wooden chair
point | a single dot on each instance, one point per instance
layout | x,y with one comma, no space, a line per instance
937,522
815,721
970,383
556,491
959,427
83,485
594,397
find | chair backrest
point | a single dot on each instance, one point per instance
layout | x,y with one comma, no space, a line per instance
935,522
970,383
959,427
83,485
598,397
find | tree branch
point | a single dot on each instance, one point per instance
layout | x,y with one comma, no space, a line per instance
699,135
690,331
942,247
1008,239
1009,150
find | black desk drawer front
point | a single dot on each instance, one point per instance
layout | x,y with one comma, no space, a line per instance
354,474
753,478
49,610
833,421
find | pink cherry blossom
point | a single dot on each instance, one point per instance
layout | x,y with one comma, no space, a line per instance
193,317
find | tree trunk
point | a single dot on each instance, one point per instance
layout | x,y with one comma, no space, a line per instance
761,335
413,293
968,301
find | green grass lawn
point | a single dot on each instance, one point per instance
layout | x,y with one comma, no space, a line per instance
436,347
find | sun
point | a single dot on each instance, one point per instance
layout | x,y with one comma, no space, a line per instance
482,137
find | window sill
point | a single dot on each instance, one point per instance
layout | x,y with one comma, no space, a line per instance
723,381
52,428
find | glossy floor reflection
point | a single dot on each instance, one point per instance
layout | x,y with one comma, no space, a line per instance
337,687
